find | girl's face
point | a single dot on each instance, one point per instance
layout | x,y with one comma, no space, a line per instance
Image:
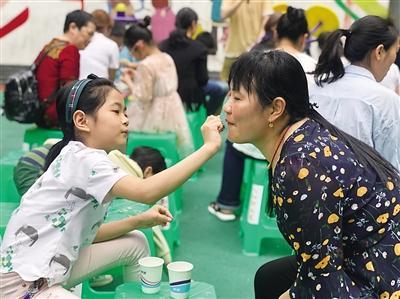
388,58
109,127
245,117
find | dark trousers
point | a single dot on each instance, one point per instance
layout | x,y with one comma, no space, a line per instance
275,278
232,175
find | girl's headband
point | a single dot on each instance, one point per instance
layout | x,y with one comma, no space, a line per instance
73,98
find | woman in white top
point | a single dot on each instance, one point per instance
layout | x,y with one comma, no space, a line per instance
56,237
351,97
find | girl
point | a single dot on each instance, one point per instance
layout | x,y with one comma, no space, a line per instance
156,105
351,97
93,121
337,201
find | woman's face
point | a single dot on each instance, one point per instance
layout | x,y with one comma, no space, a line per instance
388,58
245,117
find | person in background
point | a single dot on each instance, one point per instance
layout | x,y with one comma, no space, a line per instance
292,32
61,63
156,104
246,23
392,79
101,56
351,97
270,38
190,58
215,90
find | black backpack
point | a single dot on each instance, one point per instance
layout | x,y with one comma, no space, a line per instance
21,100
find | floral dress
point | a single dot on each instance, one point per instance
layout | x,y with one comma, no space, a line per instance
341,220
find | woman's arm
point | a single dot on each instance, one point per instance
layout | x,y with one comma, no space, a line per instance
157,215
155,187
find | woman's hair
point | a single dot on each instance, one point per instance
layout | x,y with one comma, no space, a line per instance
273,74
183,20
272,22
137,32
147,156
293,24
79,17
364,35
102,20
91,99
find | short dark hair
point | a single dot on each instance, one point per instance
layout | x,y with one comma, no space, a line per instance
147,156
79,17
292,24
137,32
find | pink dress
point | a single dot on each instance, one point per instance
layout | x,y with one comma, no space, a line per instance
156,105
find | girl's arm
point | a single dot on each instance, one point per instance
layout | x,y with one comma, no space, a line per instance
157,215
155,187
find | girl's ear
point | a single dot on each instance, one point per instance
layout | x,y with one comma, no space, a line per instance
80,121
378,52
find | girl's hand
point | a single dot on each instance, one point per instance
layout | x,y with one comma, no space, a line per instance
156,215
211,130
127,76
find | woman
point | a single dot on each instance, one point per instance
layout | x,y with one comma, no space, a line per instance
190,57
156,105
351,97
336,200
292,32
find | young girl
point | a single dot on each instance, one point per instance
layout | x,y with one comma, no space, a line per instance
65,207
156,105
337,201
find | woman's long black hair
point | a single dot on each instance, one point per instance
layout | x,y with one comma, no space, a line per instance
91,99
364,35
275,74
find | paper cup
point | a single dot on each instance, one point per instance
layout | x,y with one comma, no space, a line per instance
180,275
150,274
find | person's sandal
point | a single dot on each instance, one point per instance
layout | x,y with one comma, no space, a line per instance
221,214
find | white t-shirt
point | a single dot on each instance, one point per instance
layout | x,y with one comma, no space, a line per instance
59,215
100,55
392,78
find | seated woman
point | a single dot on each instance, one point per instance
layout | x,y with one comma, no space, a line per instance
156,105
336,200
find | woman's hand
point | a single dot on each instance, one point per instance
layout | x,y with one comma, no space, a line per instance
211,130
156,215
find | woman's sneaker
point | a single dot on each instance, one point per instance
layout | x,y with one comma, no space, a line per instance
221,214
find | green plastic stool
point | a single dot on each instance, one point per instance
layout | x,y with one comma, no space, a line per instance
255,225
6,209
36,136
8,191
134,290
196,120
165,143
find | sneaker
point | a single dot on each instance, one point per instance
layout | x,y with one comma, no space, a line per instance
101,280
221,214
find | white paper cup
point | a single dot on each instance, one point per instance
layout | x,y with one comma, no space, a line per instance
150,274
180,275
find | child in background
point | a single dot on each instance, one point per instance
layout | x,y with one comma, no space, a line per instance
81,181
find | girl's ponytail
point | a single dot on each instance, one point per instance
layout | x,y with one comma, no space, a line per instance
54,152
330,66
